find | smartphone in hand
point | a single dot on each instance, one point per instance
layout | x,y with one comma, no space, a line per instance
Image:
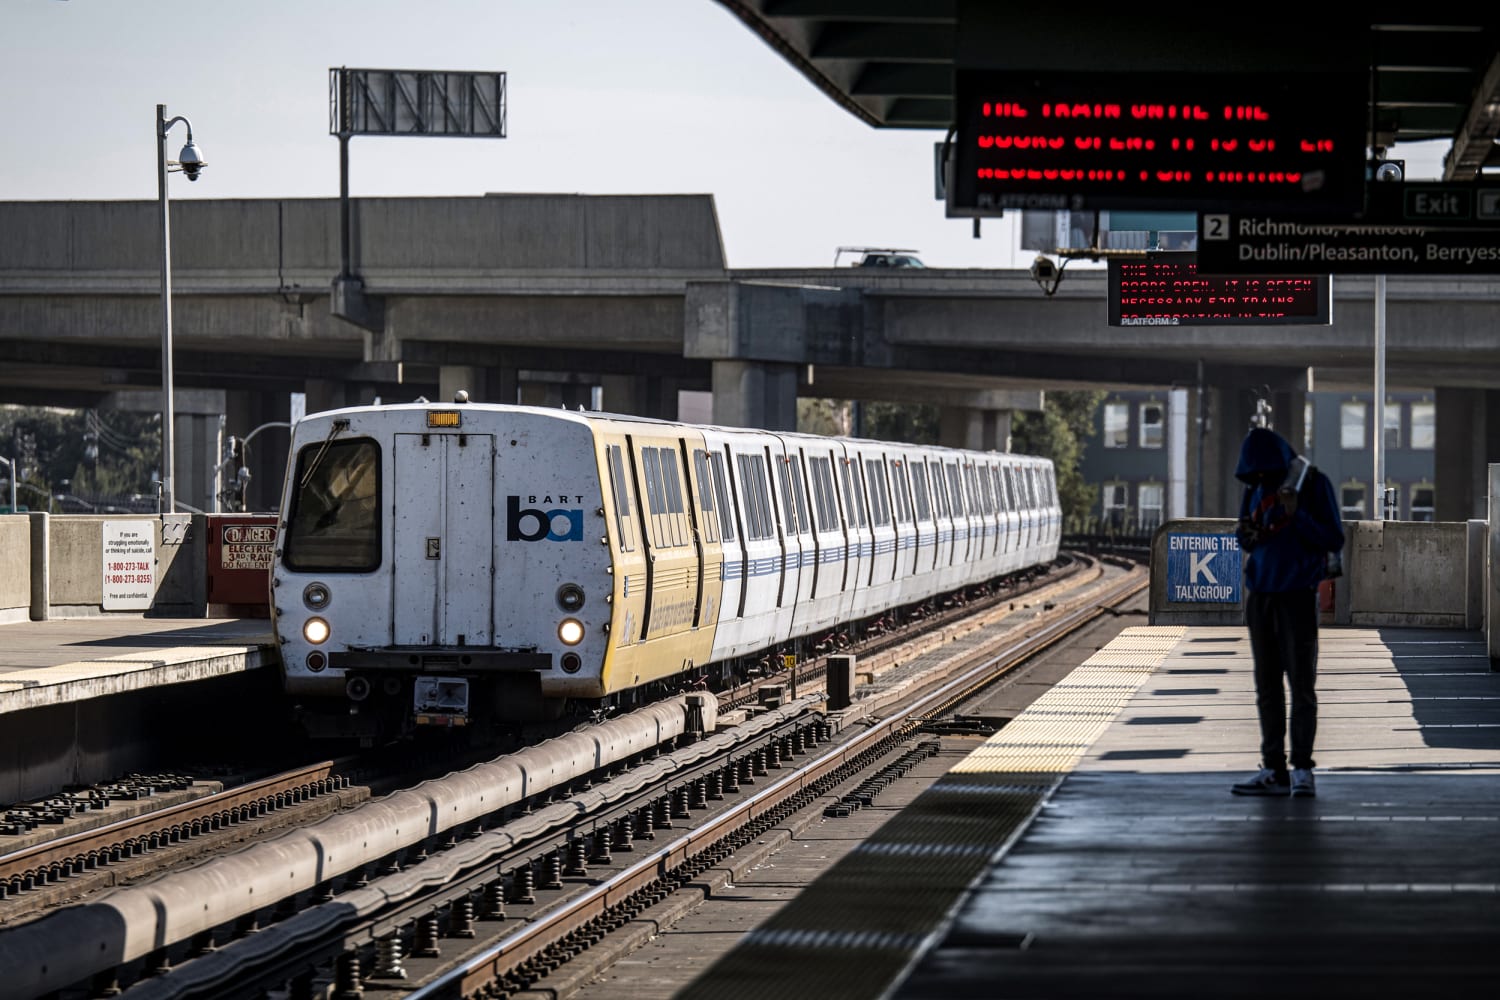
1295,475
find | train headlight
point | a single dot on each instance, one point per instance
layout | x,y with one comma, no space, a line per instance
570,597
315,631
570,631
316,596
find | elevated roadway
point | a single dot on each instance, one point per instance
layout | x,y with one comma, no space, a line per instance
540,298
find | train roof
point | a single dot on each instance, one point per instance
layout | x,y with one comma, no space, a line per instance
588,417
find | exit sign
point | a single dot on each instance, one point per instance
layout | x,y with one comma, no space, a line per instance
1475,205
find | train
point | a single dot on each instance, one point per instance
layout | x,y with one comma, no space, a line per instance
452,565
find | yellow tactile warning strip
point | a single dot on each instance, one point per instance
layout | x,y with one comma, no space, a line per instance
859,926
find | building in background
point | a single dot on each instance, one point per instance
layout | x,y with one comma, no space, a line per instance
1137,460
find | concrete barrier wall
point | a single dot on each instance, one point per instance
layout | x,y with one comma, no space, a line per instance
15,568
65,573
1407,573
1396,573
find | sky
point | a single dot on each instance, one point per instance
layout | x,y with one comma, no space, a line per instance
605,97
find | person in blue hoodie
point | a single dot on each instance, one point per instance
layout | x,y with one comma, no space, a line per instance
1286,534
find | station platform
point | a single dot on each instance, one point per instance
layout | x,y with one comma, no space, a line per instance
1092,848
67,660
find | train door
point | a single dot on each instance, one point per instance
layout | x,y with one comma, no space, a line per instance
711,539
828,528
861,548
443,539
942,518
671,552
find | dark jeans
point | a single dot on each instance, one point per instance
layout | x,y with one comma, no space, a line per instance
1284,640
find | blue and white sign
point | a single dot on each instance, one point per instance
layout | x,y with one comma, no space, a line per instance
1203,568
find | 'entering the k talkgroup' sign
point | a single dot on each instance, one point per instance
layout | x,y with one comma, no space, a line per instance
1203,568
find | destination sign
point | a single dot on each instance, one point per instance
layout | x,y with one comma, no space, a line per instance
1266,143
1167,289
1244,244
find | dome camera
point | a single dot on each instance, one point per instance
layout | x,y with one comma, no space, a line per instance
1388,171
191,161
1043,269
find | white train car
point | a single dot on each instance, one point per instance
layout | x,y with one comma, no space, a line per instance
440,564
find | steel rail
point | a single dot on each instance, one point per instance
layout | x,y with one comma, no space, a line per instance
556,927
90,849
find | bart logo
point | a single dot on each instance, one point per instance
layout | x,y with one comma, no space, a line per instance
531,524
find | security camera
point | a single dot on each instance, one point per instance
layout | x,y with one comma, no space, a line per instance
191,161
1043,270
1388,171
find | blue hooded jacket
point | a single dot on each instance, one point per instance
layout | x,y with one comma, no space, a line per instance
1284,554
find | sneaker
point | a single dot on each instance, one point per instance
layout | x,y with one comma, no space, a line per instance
1302,782
1266,782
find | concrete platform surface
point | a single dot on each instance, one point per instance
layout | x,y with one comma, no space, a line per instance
1092,849
73,659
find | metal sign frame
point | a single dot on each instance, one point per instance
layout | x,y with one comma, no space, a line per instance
416,102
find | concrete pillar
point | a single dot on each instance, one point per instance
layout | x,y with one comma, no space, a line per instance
325,394
474,381
975,429
641,395
248,413
1468,440
755,394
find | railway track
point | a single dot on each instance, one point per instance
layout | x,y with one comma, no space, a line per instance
547,883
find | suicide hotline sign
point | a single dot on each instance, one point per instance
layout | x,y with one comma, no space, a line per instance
1203,569
1274,143
129,564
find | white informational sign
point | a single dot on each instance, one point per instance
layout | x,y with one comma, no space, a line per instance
129,565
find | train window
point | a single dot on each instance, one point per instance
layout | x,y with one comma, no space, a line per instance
939,491
788,506
705,495
919,491
676,507
799,494
620,490
880,501
1001,497
757,498
955,490
651,467
823,498
854,497
334,524
899,491
721,492
976,495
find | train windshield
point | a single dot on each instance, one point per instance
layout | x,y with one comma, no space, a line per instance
335,512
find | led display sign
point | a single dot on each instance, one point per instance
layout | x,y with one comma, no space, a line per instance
1282,143
1165,289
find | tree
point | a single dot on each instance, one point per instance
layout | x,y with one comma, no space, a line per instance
907,423
96,455
1058,432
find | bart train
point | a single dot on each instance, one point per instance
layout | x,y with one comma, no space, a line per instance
452,564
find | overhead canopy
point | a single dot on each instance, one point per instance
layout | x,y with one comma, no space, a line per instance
892,63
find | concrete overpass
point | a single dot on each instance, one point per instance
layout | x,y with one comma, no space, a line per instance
541,298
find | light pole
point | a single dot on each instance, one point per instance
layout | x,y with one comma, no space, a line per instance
190,162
